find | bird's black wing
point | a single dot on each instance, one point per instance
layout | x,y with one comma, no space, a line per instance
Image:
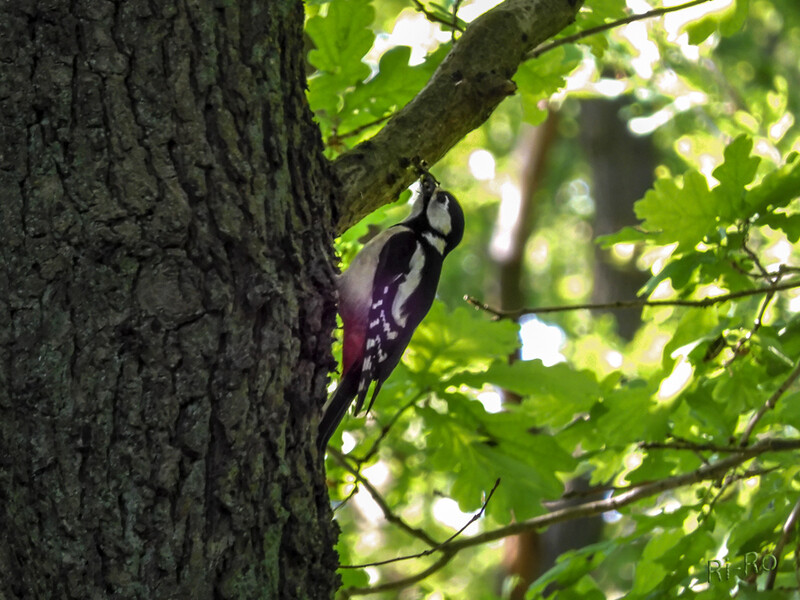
394,264
400,267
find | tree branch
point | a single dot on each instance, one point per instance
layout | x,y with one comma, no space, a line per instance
685,445
624,304
740,346
435,547
537,52
465,89
401,583
463,92
385,428
434,18
387,512
769,404
788,530
336,138
704,473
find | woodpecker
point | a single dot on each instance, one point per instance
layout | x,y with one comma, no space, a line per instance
386,292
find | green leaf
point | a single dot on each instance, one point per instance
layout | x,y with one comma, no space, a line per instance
699,31
540,78
593,14
737,171
710,417
478,447
556,393
350,577
655,465
788,410
734,20
342,38
633,399
780,221
659,544
394,85
623,236
683,214
727,22
679,270
649,576
462,340
760,526
777,188
571,566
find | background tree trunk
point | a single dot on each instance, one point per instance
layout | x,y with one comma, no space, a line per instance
165,303
623,166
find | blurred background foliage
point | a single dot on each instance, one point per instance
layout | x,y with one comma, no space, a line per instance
673,141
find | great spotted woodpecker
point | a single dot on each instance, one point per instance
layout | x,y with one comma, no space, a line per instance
385,293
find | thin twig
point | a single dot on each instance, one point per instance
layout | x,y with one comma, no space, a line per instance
723,486
745,230
690,446
454,25
401,583
615,489
436,547
537,52
738,349
797,562
685,445
587,509
376,496
475,517
337,138
739,268
773,279
434,18
727,481
624,304
784,269
376,444
769,405
385,428
344,502
757,262
788,529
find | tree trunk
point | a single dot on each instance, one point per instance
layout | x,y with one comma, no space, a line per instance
622,170
166,303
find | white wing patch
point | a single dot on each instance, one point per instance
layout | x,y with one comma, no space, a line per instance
408,286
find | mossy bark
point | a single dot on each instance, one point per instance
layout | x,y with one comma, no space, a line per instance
166,303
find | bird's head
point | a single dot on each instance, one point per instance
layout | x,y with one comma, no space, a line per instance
438,212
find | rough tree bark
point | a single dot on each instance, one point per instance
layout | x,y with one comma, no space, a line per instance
165,303
166,279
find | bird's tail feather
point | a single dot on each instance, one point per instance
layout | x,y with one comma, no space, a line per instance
336,410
